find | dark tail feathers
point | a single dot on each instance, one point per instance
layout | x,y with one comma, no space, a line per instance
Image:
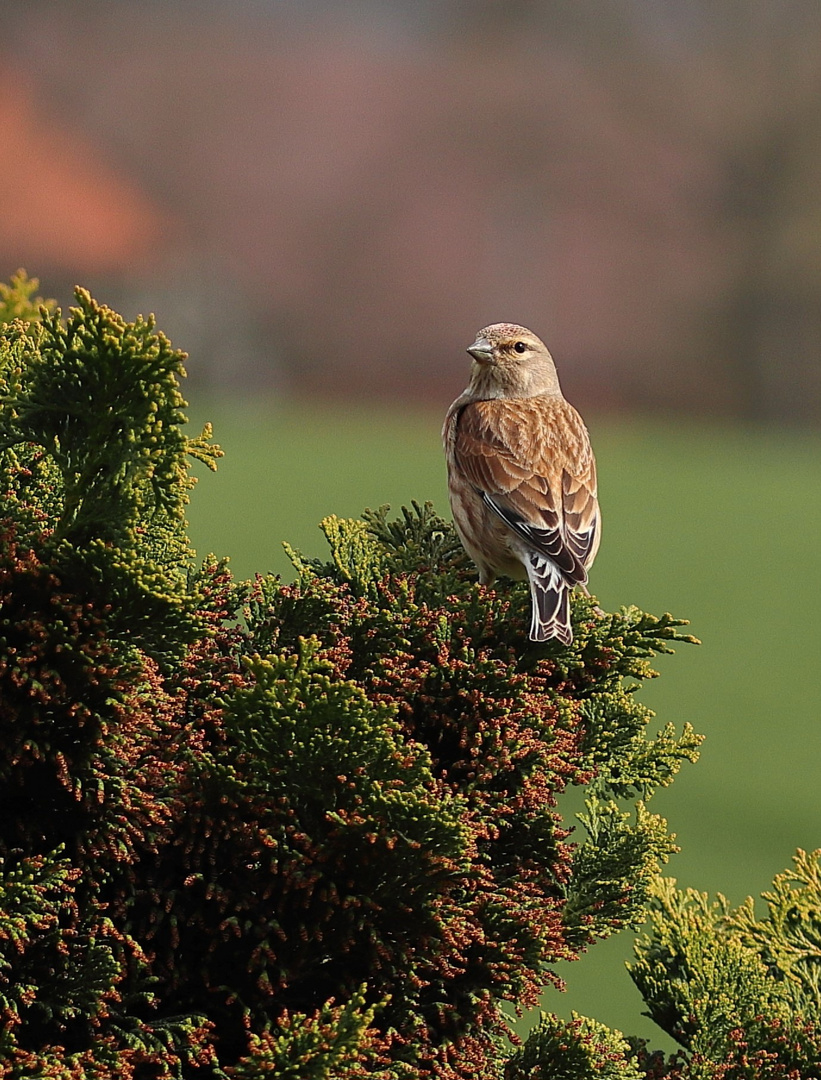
550,601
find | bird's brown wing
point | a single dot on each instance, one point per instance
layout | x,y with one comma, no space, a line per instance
531,462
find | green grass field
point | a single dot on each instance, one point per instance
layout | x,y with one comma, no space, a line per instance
720,527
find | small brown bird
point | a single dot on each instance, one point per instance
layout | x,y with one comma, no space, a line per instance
522,476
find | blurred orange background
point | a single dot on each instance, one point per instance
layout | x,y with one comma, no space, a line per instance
332,197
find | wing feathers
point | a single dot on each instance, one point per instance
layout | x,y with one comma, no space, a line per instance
531,462
548,541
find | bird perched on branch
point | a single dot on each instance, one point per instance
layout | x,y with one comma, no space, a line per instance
522,476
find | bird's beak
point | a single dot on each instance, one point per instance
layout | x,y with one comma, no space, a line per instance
482,351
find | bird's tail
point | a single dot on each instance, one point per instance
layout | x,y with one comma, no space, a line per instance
550,600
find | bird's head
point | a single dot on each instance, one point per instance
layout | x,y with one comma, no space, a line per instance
510,361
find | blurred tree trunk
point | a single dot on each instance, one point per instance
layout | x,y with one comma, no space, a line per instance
737,81
772,312
772,71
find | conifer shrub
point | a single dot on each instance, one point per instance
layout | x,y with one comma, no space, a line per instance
310,829
741,994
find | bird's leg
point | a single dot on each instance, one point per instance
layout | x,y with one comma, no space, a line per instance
586,592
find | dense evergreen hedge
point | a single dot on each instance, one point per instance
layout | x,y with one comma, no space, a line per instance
310,830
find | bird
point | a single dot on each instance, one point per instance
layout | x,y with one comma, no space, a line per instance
522,476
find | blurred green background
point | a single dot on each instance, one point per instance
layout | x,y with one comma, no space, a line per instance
714,523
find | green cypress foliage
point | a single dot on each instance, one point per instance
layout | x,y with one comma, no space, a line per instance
309,830
18,300
566,1051
739,993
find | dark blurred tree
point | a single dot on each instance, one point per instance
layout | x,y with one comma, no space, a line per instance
768,138
739,84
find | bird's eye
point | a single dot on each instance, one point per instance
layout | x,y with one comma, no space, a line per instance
520,347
